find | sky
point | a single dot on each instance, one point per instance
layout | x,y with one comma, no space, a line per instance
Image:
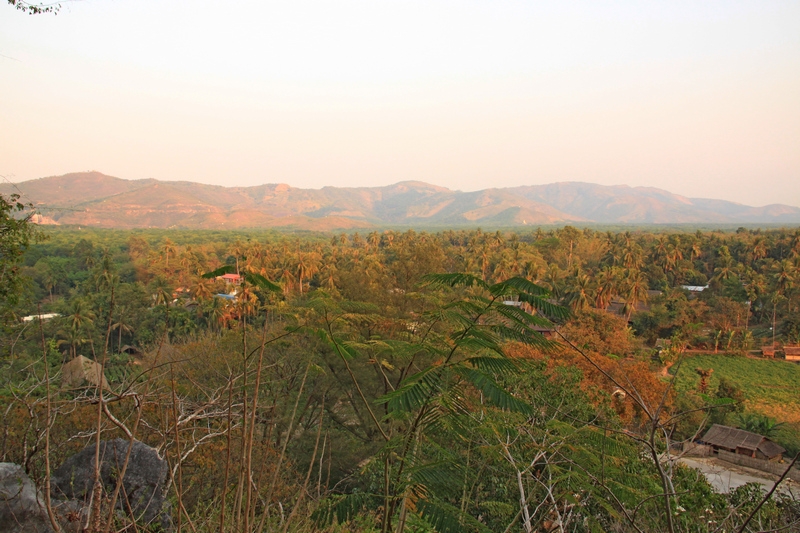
698,98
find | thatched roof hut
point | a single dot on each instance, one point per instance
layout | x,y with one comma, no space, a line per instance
82,372
742,442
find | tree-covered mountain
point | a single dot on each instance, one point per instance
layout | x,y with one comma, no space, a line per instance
94,199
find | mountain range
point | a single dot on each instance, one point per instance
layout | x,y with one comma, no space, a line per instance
94,199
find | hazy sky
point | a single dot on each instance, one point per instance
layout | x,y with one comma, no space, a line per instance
699,98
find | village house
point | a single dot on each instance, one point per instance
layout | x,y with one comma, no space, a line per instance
232,279
791,352
742,442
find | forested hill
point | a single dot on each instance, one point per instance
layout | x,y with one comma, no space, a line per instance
94,199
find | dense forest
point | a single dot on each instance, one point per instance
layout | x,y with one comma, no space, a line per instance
401,381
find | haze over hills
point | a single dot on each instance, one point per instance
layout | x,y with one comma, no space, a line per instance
94,199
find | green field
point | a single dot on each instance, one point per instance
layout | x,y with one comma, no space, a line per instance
771,387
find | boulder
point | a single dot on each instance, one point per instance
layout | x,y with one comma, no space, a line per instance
22,509
142,486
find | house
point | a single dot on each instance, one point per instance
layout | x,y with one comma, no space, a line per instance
791,352
618,307
742,442
694,288
43,316
131,350
234,279
768,352
545,331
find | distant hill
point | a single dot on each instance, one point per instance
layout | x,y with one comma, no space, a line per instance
94,199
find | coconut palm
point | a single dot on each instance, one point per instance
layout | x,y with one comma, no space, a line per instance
121,326
552,279
607,280
635,287
580,291
201,288
162,292
74,338
80,317
169,249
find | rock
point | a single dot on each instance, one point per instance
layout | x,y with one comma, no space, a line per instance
22,508
142,486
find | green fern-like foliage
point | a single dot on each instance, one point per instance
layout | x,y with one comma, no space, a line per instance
452,365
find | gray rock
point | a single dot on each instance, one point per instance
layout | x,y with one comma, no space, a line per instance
142,487
22,507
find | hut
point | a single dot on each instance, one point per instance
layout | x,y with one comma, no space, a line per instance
791,352
82,372
742,442
768,352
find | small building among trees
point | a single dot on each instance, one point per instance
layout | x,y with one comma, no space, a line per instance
791,352
742,442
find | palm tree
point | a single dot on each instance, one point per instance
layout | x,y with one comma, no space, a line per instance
635,291
660,247
74,338
213,310
632,256
784,275
168,248
758,423
121,325
50,279
286,275
307,266
552,279
784,278
580,291
504,268
607,286
696,250
81,316
329,275
201,288
758,248
162,292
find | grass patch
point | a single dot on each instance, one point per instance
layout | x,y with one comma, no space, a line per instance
771,387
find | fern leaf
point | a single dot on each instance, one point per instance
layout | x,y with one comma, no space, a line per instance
494,365
415,391
494,392
453,280
226,269
446,518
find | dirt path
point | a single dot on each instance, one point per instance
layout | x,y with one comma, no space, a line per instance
725,476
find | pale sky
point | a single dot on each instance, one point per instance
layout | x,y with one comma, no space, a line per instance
699,98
